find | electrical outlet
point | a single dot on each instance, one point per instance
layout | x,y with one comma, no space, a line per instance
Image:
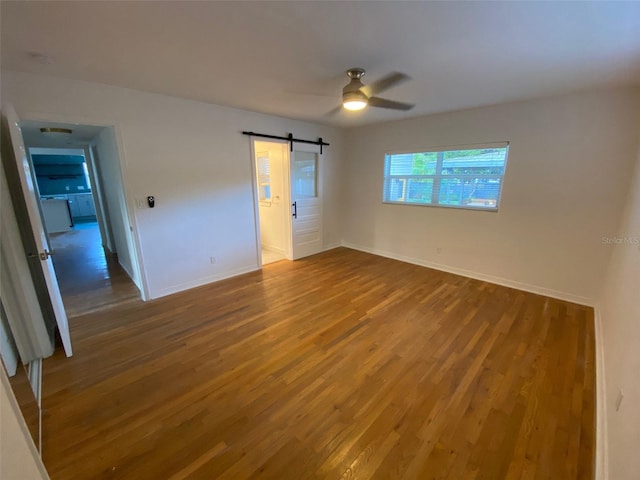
438,250
212,260
619,400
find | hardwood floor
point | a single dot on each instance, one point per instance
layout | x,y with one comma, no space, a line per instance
342,365
89,280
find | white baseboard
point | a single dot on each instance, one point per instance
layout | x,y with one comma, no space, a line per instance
569,297
203,281
127,270
271,248
602,451
331,246
215,278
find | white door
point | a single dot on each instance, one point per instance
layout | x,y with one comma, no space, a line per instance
306,202
42,256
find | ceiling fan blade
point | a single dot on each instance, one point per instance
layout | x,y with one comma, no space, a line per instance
385,83
334,111
384,103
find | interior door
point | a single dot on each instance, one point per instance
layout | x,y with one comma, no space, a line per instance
43,254
306,202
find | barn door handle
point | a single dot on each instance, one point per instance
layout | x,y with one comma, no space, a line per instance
295,209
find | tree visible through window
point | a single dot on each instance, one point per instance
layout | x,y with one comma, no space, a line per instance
462,178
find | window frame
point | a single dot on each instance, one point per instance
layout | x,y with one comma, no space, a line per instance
437,177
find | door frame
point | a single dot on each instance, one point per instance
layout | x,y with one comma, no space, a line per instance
99,201
136,254
24,198
256,196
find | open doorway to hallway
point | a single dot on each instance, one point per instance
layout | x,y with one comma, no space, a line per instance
77,179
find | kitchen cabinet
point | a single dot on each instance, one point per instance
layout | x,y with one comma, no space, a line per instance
81,205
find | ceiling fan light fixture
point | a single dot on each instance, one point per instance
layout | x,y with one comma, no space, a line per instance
354,100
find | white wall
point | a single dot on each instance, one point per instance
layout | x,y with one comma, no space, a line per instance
192,157
19,459
566,177
620,321
273,226
111,175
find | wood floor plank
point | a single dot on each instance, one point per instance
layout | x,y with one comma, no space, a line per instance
340,365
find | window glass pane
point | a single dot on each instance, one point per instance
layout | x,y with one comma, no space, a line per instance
413,163
463,178
264,177
474,162
395,190
419,190
453,191
304,178
470,192
485,194
265,193
263,166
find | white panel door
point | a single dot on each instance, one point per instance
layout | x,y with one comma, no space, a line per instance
306,202
42,256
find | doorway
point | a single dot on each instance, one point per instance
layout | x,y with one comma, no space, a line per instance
272,183
288,200
81,198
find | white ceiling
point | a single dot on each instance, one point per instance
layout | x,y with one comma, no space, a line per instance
80,134
259,56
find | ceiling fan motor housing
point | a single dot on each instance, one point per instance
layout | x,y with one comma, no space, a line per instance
356,95
352,91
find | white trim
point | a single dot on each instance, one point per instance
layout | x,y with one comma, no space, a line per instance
8,349
13,405
35,379
601,449
139,276
569,297
278,250
331,246
255,196
180,287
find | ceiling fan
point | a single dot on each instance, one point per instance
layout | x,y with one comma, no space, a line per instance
356,95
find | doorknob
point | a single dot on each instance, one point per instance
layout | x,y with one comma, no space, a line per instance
295,209
42,255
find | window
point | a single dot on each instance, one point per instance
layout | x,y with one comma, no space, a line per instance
459,178
303,175
264,177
